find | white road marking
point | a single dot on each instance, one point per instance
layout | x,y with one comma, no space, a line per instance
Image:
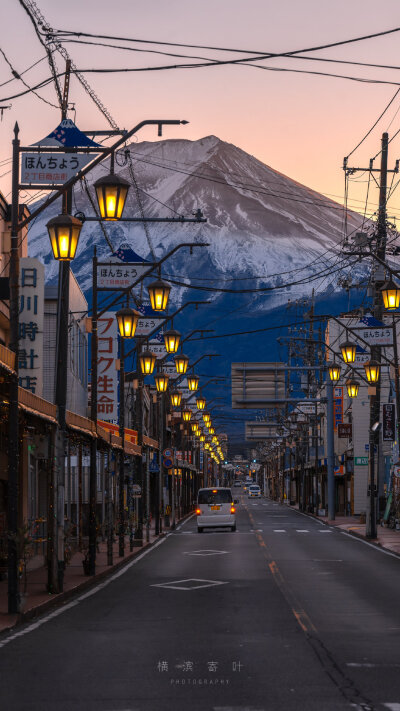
367,665
204,584
204,552
324,530
279,530
302,530
393,706
74,603
371,545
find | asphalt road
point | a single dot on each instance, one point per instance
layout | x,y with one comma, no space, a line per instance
286,613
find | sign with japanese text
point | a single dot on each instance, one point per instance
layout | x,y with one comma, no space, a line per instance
337,406
374,332
107,375
345,429
52,168
361,461
117,275
170,369
31,317
389,419
157,348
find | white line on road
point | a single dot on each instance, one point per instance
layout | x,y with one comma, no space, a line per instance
302,530
279,530
35,625
371,545
392,707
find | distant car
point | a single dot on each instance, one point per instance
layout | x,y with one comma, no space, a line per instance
237,483
254,490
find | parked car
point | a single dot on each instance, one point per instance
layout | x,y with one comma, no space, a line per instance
254,490
215,508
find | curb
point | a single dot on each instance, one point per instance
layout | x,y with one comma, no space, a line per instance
58,600
375,543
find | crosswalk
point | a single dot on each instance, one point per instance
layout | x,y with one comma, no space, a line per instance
300,530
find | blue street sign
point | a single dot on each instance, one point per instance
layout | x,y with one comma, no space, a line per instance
153,466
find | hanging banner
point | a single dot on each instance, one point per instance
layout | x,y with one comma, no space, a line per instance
31,323
337,406
389,421
107,374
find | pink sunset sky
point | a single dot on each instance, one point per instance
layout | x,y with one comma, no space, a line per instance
299,124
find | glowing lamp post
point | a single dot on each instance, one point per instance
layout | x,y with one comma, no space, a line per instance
172,340
372,370
64,231
176,397
348,351
161,380
181,363
111,192
334,372
127,320
391,295
352,388
186,414
147,361
159,294
200,403
193,382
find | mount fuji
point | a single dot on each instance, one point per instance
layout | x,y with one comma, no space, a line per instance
264,231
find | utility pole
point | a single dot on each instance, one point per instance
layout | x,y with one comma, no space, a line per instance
374,392
375,399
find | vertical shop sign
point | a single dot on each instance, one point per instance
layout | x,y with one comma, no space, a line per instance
107,375
31,316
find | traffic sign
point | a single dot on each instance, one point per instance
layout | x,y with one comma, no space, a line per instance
136,491
168,453
153,466
361,461
168,463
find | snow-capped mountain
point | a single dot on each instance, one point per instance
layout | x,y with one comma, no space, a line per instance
263,230
262,227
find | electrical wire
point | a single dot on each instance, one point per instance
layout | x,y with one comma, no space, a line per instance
18,76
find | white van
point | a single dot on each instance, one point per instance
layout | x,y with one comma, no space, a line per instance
215,508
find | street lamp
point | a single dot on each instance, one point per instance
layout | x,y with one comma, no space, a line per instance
348,351
127,320
193,382
202,438
206,417
391,295
161,380
211,430
64,231
176,397
159,294
111,192
352,388
200,402
334,372
194,427
181,363
147,361
172,339
186,414
372,369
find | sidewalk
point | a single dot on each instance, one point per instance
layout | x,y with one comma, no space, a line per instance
387,538
36,600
